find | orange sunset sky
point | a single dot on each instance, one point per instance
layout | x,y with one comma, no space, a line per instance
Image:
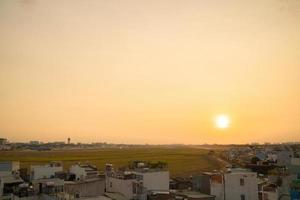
137,71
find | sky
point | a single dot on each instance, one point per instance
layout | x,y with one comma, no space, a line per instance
156,72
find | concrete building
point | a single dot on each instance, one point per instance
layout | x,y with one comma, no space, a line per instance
84,171
154,176
153,179
45,171
268,191
49,186
210,183
235,184
140,179
9,177
284,157
9,166
85,188
124,183
241,184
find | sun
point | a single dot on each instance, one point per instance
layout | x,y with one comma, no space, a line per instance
222,121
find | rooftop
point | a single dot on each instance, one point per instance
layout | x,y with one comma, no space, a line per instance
50,181
115,196
239,171
192,194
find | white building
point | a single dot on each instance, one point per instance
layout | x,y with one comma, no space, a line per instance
122,184
235,184
45,171
137,181
153,179
84,171
241,184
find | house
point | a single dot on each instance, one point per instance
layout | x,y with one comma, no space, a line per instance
9,166
45,171
87,181
138,180
153,179
283,179
84,171
284,157
210,183
85,188
234,184
268,191
9,177
49,186
240,184
123,182
179,183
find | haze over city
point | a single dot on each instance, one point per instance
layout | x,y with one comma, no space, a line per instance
156,72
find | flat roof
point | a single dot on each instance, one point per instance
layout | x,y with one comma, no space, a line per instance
192,194
56,181
11,179
84,181
115,196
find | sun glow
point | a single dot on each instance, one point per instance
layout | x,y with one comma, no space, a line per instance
222,121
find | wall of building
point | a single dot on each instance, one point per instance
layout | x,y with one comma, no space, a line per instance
269,195
284,157
89,188
9,166
1,187
40,172
233,189
210,184
122,186
201,183
295,161
217,189
155,180
79,172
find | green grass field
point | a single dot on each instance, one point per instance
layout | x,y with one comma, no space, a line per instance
181,161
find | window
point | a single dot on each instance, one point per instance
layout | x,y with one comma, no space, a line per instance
243,197
110,184
242,182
